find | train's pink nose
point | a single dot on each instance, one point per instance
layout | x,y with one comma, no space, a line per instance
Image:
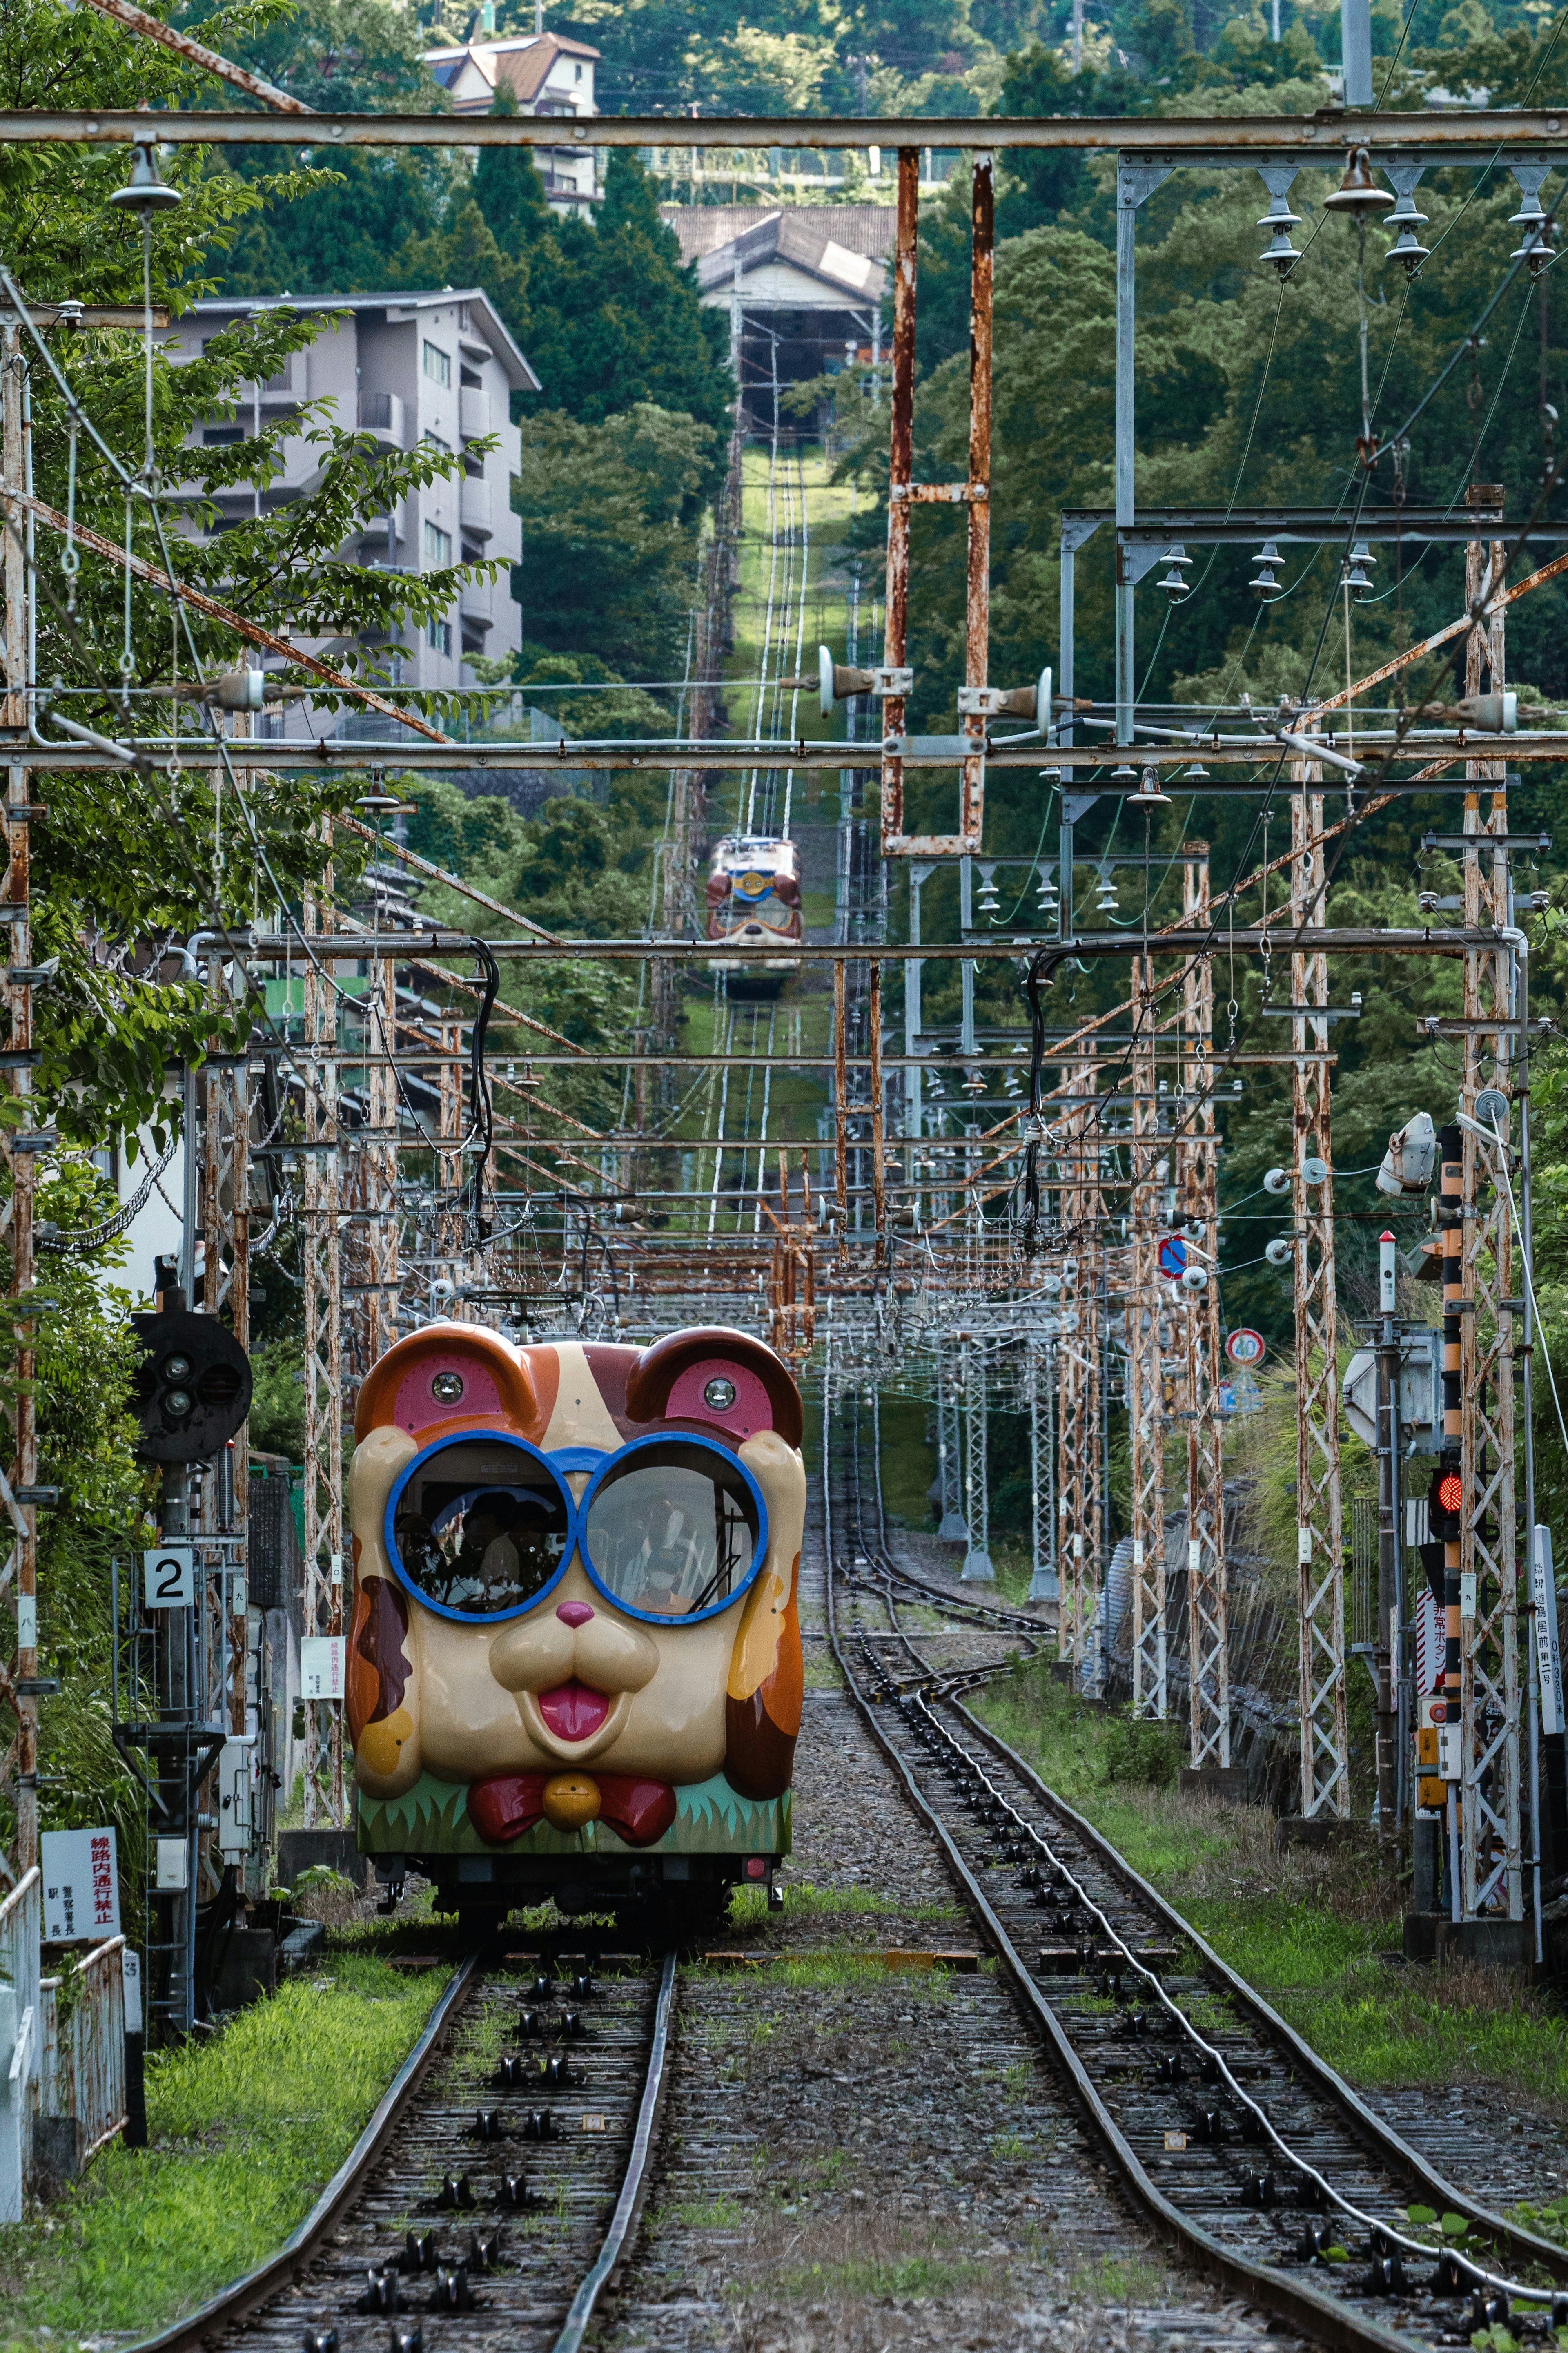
573,1613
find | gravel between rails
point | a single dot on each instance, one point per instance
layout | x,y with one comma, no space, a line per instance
856,2157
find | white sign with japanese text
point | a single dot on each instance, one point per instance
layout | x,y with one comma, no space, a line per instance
81,1885
322,1660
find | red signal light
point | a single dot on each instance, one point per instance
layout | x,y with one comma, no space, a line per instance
1450,1490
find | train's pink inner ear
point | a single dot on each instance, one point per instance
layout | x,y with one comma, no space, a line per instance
741,1406
419,1402
671,1380
446,1373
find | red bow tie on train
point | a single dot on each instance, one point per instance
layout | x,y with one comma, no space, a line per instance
504,1805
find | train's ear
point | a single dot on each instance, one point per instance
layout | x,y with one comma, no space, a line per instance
449,1373
718,1376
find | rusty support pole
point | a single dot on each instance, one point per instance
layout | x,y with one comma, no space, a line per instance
226,1293
878,1173
978,600
1208,1633
901,465
840,1112
322,1270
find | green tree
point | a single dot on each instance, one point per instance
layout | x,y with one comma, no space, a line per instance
611,317
141,855
609,515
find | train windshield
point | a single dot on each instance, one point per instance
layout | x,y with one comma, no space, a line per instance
674,1530
481,1528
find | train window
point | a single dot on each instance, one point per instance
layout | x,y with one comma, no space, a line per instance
674,1528
480,1527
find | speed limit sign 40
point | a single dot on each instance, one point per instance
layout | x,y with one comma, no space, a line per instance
1244,1347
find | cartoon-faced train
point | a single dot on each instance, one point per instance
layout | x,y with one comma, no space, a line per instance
574,1664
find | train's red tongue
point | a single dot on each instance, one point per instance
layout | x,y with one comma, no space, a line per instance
573,1712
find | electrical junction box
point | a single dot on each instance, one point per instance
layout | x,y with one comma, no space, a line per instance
1449,1749
232,1778
1431,1789
172,1860
1420,1398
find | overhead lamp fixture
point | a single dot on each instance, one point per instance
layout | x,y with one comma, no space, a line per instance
1358,192
1148,795
1266,581
146,192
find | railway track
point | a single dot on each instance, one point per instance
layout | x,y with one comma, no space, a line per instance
490,2196
1226,2129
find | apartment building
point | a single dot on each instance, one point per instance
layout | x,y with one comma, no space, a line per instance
405,368
545,74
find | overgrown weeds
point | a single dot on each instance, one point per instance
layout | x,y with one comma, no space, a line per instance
243,2131
1314,1928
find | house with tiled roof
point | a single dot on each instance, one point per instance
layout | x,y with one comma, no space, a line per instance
544,74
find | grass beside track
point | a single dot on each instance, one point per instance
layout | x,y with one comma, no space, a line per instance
244,2131
1317,1933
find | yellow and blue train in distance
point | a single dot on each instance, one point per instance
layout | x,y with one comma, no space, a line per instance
753,906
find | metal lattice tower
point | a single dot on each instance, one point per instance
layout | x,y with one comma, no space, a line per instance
370,1241
1319,1539
954,1528
1207,1631
1145,1395
1080,1511
322,1270
977,1567
1040,1402
1490,1693
225,1498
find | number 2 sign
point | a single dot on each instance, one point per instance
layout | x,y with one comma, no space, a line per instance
170,1577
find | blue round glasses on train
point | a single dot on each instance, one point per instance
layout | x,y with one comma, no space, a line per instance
480,1527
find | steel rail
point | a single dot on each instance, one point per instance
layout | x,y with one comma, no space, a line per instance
1323,2320
635,2188
282,2269
1306,140
1377,2137
1367,2129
